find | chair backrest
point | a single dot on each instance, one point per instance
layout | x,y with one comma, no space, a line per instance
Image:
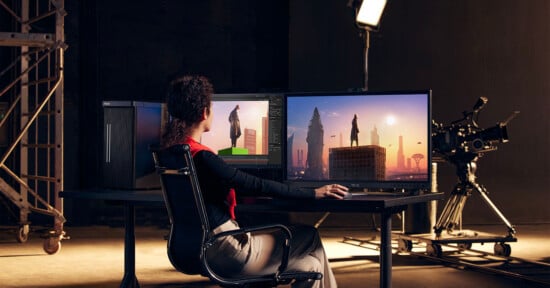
188,221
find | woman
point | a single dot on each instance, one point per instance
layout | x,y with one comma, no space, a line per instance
189,105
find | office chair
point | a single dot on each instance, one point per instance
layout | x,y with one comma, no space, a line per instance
190,233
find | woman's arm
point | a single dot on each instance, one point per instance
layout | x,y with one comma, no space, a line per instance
246,183
255,186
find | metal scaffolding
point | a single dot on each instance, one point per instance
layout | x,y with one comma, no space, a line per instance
31,105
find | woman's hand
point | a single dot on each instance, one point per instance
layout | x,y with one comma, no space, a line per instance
333,191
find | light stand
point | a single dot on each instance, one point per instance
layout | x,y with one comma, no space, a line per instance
366,63
367,17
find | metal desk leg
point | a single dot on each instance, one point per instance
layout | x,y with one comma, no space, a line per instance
385,250
130,279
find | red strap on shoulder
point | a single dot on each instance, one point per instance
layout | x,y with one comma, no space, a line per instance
231,199
195,146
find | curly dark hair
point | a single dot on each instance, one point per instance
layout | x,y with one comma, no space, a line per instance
186,99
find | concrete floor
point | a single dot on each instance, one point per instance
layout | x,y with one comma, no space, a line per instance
93,257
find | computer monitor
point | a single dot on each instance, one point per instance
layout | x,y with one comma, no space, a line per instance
390,152
259,119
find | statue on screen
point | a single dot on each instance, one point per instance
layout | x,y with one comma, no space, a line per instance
354,131
235,126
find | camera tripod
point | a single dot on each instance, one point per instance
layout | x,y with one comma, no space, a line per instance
451,216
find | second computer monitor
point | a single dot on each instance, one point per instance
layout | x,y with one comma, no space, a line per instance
246,128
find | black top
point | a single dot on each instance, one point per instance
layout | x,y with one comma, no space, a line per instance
216,178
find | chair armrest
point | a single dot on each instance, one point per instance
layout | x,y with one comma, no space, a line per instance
287,277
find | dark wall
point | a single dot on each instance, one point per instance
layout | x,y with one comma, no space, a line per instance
127,50
238,44
467,49
461,50
325,47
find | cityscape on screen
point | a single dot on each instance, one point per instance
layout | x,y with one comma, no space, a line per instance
391,143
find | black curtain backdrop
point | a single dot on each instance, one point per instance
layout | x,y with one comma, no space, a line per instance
128,50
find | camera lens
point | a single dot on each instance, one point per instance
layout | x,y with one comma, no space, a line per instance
478,144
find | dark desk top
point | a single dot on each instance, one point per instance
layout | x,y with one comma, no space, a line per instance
358,203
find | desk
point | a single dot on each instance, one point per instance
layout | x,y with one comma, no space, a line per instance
130,199
385,205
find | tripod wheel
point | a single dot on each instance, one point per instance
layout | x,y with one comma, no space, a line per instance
502,249
434,250
404,245
464,246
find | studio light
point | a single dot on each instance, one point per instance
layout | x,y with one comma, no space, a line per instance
370,12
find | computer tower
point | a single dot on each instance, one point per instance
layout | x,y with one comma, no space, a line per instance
130,127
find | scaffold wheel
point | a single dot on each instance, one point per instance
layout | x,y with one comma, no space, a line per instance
52,245
22,234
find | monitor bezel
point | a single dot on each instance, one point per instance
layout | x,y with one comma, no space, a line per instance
375,186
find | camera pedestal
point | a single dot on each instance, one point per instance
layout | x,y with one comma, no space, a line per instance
451,216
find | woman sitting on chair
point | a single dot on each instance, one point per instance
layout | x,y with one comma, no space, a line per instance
189,105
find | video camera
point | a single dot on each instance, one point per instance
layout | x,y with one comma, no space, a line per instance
465,136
